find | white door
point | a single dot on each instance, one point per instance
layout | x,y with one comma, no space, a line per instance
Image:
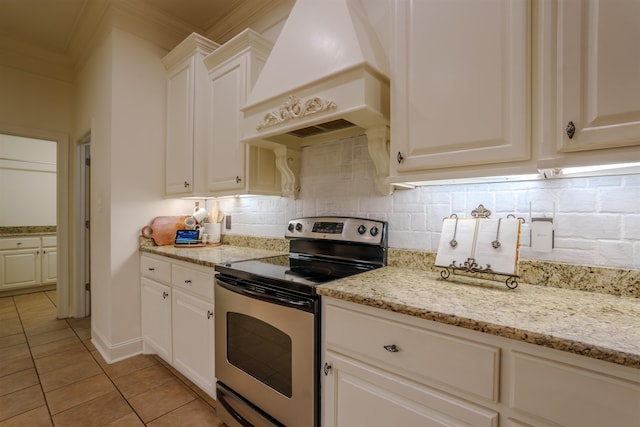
227,154
49,265
180,128
460,84
156,318
599,74
19,268
356,394
193,339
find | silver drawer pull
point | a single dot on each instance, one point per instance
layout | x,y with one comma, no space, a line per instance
392,348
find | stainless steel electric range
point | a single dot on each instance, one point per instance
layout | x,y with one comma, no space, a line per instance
268,319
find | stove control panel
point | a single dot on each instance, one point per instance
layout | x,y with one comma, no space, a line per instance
347,229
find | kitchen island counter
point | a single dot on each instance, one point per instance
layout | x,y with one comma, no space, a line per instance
591,324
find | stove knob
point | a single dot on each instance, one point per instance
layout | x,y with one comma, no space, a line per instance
374,231
298,227
362,229
290,227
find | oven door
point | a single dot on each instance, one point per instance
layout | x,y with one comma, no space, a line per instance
266,350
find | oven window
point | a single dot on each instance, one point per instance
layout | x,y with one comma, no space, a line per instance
260,350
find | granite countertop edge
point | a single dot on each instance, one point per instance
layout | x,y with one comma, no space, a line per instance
374,289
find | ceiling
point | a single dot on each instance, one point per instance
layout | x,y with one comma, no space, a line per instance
51,24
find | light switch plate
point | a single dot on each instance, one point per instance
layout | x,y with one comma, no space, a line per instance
227,222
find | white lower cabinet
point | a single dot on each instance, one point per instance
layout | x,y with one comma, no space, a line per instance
156,318
49,260
381,368
357,394
379,372
193,339
27,262
177,316
559,394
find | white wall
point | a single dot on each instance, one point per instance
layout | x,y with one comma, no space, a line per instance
122,100
94,114
27,181
597,219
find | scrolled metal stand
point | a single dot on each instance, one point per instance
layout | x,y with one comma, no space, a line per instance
470,265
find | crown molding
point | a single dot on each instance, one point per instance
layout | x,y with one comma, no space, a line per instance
259,15
155,25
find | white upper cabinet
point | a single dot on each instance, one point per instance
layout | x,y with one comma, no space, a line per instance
187,110
460,86
597,78
233,167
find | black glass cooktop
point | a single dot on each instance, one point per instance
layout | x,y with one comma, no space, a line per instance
295,272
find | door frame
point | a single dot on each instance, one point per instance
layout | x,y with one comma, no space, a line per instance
82,305
64,222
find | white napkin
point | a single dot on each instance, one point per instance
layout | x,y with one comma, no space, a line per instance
463,234
504,258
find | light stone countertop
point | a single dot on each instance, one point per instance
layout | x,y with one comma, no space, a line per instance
592,324
209,256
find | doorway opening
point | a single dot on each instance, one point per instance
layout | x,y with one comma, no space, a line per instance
27,215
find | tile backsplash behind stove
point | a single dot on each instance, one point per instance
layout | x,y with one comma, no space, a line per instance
597,220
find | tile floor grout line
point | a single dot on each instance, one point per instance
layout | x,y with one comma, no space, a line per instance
33,360
106,374
31,307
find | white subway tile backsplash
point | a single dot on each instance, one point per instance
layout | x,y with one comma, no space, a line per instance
614,252
597,220
589,226
625,200
631,227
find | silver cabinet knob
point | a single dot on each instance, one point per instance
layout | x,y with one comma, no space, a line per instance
391,348
326,368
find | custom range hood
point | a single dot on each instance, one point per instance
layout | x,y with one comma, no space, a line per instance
326,77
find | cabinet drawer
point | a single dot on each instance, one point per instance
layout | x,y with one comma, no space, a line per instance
20,243
198,282
49,241
366,396
155,268
572,396
416,353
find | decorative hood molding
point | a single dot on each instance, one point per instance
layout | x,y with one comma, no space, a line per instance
326,77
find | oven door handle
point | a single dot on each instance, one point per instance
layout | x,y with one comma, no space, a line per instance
302,304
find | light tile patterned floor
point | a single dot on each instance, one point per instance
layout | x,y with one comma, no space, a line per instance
51,374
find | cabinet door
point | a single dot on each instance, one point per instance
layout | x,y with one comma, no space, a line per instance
460,84
180,128
19,268
227,154
49,265
355,394
193,339
156,318
599,76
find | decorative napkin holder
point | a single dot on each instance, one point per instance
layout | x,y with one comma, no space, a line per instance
480,245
